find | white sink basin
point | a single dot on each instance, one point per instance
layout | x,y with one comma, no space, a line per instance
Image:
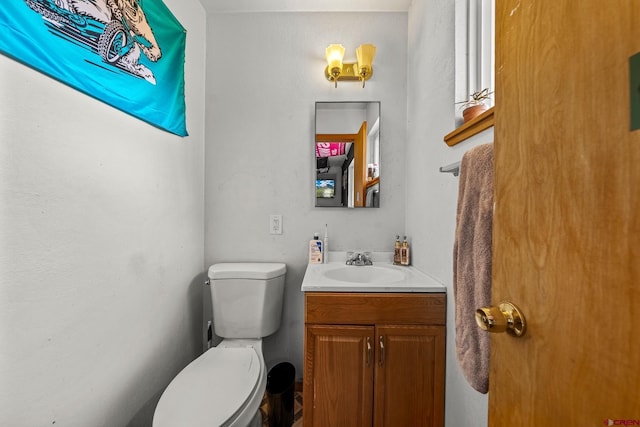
379,277
364,274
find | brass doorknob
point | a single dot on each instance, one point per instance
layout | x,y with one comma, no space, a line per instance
506,317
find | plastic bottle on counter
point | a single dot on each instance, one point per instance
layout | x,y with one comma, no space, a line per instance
315,250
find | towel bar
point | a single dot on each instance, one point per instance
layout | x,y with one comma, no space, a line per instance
453,168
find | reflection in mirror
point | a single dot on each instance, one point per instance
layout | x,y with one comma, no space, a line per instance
347,154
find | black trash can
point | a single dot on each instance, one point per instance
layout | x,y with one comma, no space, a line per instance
280,394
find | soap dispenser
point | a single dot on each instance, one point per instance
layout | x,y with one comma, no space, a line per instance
397,260
405,253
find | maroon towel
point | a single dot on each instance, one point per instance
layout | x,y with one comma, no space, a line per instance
472,262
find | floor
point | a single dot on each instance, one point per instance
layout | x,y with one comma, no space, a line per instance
297,410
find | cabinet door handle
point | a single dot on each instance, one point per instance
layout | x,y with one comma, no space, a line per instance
369,351
381,350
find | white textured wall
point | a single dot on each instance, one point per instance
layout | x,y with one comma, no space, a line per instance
265,71
101,237
431,196
101,215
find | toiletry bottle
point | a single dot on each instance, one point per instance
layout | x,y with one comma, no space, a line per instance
404,252
315,250
325,246
396,251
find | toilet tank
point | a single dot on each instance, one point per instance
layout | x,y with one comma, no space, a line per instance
247,298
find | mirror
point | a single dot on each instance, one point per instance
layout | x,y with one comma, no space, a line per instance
347,154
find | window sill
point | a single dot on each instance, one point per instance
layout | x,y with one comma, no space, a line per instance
471,128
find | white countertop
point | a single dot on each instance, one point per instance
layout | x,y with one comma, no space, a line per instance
380,277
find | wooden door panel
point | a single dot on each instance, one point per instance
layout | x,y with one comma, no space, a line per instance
338,382
566,224
409,376
360,166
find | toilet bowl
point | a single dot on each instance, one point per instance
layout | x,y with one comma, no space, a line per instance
225,385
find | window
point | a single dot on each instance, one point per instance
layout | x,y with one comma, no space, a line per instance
475,47
475,64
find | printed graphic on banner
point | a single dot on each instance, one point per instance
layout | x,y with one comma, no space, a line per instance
127,53
329,149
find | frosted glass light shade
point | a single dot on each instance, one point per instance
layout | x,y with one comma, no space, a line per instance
365,54
334,55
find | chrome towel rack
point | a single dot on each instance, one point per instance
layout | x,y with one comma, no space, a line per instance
453,168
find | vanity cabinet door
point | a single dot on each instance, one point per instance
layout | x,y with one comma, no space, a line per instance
338,376
409,376
374,360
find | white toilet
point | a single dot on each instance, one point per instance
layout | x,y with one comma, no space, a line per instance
225,385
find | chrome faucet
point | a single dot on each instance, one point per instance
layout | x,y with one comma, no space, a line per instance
359,258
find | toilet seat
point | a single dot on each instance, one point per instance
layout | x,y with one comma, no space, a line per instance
212,390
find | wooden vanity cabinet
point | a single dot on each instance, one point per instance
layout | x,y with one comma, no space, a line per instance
374,359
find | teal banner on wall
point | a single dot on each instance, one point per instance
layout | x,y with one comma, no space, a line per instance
126,53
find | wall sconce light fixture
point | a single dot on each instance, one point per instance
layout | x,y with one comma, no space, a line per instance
359,71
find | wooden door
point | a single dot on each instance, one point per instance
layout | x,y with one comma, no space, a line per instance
360,166
338,376
409,377
567,214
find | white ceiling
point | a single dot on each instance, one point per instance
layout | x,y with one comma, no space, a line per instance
306,5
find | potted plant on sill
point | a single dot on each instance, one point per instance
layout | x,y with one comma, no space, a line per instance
475,105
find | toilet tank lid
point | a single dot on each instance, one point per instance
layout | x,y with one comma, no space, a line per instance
247,270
